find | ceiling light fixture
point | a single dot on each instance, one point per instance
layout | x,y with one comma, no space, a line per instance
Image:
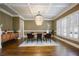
38,19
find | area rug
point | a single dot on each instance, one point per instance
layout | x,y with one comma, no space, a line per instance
39,43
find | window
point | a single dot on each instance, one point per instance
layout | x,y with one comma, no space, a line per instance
69,26
64,27
75,17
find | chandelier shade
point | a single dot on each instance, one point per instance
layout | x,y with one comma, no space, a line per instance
38,19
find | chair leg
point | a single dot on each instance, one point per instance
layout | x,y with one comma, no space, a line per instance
41,40
27,40
37,40
46,39
50,40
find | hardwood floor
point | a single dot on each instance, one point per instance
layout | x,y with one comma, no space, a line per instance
11,49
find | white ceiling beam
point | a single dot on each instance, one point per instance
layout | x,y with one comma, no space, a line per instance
30,9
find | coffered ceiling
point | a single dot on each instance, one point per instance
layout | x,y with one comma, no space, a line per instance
28,10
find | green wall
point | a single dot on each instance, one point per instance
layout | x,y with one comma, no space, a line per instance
54,25
12,23
30,25
6,21
9,23
15,23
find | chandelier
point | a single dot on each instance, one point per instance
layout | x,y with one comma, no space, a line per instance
38,19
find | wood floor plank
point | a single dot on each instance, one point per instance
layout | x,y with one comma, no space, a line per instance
60,50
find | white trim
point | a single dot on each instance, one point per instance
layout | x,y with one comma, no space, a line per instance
6,12
21,17
0,37
65,11
36,30
30,8
70,43
9,31
21,29
70,38
15,15
34,19
14,11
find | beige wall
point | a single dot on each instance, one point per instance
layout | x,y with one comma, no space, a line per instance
30,25
16,23
6,20
54,25
9,23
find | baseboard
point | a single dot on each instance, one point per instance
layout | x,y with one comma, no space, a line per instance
68,42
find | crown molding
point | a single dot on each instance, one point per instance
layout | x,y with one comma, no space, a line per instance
73,5
15,11
4,11
8,13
